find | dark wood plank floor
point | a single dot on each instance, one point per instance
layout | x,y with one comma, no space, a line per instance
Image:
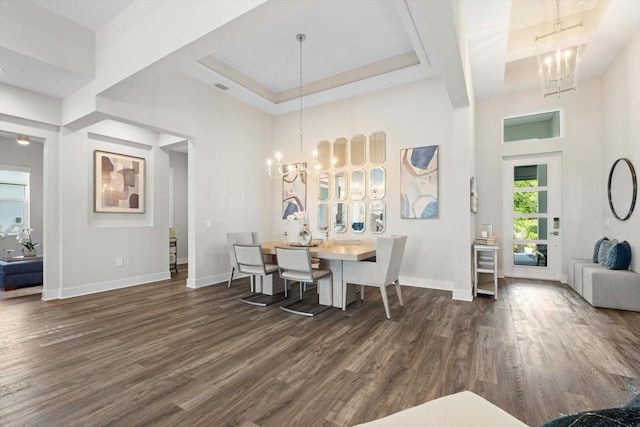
162,354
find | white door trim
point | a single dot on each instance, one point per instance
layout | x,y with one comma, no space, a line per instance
553,270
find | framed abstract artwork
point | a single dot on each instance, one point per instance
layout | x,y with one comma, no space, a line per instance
294,193
119,183
419,182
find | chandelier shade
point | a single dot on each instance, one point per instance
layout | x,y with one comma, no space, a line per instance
558,55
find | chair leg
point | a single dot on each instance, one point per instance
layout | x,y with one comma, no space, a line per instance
286,285
252,283
385,300
397,285
231,277
302,286
362,292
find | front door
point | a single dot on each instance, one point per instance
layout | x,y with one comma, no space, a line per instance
531,212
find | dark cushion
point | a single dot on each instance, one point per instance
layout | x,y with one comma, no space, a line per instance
596,249
18,267
604,251
619,256
634,403
618,417
20,273
20,280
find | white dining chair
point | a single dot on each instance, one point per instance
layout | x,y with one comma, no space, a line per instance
295,265
251,262
380,273
241,238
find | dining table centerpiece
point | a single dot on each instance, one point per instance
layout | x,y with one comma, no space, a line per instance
304,231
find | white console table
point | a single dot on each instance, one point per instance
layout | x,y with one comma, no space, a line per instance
485,261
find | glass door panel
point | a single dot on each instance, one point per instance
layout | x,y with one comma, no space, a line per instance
530,215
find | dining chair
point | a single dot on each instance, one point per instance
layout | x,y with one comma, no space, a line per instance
251,262
380,273
295,265
241,238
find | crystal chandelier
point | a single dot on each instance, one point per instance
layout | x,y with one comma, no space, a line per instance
285,169
559,57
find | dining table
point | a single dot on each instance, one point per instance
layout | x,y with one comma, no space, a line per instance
332,257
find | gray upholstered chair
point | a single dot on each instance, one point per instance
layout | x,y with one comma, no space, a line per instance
250,261
241,238
295,265
379,273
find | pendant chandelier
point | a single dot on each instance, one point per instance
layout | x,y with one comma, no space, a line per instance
280,168
559,57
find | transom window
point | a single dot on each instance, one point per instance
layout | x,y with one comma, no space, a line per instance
536,126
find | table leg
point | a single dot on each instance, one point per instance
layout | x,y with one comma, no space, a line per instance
336,269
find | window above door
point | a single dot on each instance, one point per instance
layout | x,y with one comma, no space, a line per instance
532,127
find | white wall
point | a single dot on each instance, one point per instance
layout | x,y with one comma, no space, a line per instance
412,115
29,156
229,142
621,138
92,241
178,162
581,162
24,104
28,113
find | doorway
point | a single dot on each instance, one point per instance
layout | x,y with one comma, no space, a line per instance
532,216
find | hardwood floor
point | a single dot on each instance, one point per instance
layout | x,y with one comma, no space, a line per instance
162,354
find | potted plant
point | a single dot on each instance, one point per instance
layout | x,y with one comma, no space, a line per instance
24,238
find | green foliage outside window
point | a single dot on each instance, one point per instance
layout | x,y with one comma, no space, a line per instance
525,202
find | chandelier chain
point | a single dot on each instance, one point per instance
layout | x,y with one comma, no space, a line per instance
301,38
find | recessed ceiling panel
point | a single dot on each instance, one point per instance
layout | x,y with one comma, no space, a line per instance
341,36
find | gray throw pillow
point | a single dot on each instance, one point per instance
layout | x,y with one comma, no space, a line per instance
596,248
604,251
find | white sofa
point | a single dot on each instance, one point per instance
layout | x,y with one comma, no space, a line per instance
601,287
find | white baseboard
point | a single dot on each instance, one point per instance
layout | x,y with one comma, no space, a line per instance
419,282
50,295
440,285
463,294
183,261
208,281
94,288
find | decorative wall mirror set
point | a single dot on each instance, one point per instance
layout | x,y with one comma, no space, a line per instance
351,180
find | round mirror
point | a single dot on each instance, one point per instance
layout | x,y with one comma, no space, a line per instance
622,188
357,184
